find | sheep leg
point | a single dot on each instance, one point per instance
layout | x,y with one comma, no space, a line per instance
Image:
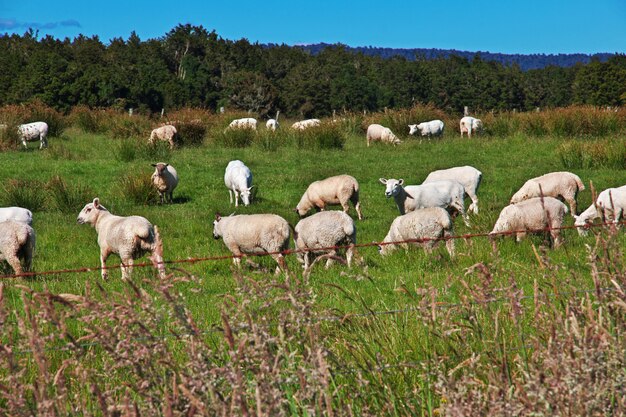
449,243
350,255
104,254
330,261
230,196
572,204
14,261
520,236
282,265
236,198
127,268
474,206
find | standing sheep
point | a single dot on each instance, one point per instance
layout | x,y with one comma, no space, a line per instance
33,131
17,214
331,191
130,237
376,133
470,124
326,229
469,177
432,128
165,180
253,234
165,133
535,215
430,224
555,184
610,206
17,245
238,179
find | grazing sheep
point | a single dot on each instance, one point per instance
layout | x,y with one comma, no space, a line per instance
17,214
130,237
324,230
17,245
469,177
34,131
254,233
470,124
432,128
555,184
331,191
610,206
165,133
535,215
445,194
430,223
272,124
165,180
305,124
376,133
245,123
238,179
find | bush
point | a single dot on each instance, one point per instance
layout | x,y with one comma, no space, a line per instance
123,126
191,133
37,111
29,194
67,199
138,189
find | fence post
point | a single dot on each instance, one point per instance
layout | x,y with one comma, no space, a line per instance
465,111
130,111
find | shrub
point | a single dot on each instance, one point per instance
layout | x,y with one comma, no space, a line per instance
29,194
55,120
138,189
191,133
123,126
67,199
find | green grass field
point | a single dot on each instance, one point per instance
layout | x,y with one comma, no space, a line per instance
92,163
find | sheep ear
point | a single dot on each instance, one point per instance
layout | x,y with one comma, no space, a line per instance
217,217
96,202
154,165
383,180
401,181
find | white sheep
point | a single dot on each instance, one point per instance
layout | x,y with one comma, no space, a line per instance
535,215
469,177
129,237
272,124
254,234
17,214
430,224
326,229
376,133
244,123
305,124
331,191
610,206
470,124
165,179
432,128
165,133
17,245
554,184
238,179
445,194
34,131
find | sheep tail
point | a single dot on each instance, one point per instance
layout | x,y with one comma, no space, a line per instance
579,183
157,253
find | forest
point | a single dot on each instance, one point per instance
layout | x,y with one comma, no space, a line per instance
191,66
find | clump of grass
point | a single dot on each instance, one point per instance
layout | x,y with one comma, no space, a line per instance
593,154
9,138
65,198
128,150
324,136
191,133
28,194
235,138
123,126
138,189
60,152
90,121
267,140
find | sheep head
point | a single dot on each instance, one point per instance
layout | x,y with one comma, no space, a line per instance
392,186
90,213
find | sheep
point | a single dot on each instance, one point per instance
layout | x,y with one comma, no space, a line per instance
432,128
535,215
325,229
129,237
165,133
610,205
253,234
445,194
245,123
431,224
165,179
33,131
305,124
17,214
238,179
469,177
17,245
470,124
331,191
554,184
376,132
272,124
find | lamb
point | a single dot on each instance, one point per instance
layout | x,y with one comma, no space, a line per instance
165,180
325,229
469,177
555,184
245,123
272,124
165,133
17,245
17,214
331,191
130,237
470,124
610,205
238,179
432,128
376,132
430,224
254,233
535,215
305,124
445,194
34,131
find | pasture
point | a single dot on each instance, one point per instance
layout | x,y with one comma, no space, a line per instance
365,353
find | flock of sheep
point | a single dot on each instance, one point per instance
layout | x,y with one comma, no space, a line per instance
427,211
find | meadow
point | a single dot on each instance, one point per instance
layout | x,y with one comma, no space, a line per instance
407,334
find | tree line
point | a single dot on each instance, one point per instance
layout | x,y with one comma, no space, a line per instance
193,67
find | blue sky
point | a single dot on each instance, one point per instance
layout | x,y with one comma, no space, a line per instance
522,26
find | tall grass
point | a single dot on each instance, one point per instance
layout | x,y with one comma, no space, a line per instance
138,188
67,198
603,153
28,194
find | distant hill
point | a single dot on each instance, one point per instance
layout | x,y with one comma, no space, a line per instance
525,62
